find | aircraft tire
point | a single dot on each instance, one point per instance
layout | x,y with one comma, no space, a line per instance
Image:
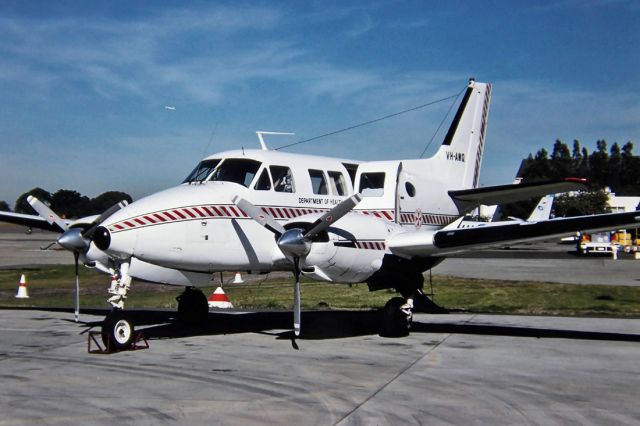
193,307
118,330
393,323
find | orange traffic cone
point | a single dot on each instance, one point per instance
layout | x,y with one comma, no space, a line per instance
22,288
237,279
219,300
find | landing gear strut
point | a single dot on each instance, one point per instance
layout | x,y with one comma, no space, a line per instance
193,307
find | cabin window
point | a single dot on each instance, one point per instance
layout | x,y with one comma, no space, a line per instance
202,171
264,182
372,184
411,190
236,170
318,182
337,183
282,179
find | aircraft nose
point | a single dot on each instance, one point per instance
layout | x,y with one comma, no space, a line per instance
102,238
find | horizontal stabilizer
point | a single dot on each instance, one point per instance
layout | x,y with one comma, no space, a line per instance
468,199
447,241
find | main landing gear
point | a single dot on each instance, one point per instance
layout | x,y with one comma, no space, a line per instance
193,307
397,315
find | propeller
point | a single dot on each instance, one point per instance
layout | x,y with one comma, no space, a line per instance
46,213
296,242
76,240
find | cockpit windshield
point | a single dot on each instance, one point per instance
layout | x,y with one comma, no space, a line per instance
202,171
238,170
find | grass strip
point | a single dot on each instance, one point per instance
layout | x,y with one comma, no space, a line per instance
53,286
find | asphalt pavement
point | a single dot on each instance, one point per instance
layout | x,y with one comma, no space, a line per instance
244,368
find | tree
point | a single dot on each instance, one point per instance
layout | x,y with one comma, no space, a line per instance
584,203
22,206
4,207
598,163
576,155
68,203
103,201
538,167
561,161
583,169
613,167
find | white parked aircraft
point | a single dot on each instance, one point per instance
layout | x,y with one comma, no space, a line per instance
542,211
335,220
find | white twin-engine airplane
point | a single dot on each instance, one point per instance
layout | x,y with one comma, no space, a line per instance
380,222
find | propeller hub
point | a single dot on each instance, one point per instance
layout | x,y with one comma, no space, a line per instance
102,238
73,240
294,243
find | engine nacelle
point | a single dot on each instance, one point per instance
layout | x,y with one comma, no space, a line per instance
354,251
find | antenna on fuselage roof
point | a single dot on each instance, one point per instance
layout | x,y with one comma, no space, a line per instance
261,139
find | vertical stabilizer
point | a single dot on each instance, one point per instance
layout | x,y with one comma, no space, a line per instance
460,155
543,210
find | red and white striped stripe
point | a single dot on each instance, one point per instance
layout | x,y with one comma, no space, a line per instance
370,245
230,211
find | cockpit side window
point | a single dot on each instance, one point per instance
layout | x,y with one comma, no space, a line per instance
372,184
264,181
237,170
318,182
282,179
202,171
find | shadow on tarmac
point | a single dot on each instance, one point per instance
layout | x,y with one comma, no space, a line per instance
163,324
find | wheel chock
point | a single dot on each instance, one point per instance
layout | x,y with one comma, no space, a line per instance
94,345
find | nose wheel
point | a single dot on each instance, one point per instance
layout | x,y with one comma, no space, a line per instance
117,330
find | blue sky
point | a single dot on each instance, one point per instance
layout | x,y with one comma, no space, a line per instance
84,84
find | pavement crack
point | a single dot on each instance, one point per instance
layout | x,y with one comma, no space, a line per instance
400,373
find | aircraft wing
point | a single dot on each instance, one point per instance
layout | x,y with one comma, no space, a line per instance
32,221
468,199
447,241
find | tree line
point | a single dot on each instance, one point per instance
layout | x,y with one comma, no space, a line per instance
615,167
67,203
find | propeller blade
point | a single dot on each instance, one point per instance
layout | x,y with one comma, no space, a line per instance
296,296
76,256
46,213
88,233
259,216
333,215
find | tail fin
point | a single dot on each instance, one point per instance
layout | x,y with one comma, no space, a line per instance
461,151
543,210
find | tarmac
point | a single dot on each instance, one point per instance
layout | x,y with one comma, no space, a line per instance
246,368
